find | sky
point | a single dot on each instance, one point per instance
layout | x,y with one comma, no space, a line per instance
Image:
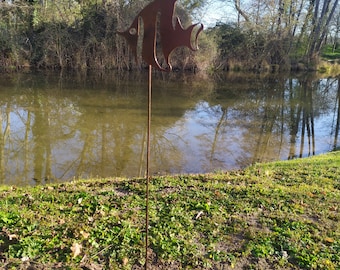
217,11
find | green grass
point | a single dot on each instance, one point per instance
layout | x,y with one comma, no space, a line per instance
330,54
281,215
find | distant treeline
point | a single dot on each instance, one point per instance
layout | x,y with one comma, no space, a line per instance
81,35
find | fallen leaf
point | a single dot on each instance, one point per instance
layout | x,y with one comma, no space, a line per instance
12,237
84,234
329,240
62,221
76,249
333,208
25,259
310,194
217,193
125,261
199,214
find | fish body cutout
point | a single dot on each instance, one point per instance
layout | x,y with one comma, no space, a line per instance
171,36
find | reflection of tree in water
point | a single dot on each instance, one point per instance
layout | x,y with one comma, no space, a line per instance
219,127
213,139
245,123
171,100
307,99
266,121
110,138
337,117
303,116
96,129
4,134
59,129
270,128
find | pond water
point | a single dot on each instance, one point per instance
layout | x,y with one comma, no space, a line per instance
60,127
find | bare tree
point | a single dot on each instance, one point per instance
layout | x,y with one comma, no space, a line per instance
321,20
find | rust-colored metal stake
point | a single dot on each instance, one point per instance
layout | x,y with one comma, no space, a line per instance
148,169
172,36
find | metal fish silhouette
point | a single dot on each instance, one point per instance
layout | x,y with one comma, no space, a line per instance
171,36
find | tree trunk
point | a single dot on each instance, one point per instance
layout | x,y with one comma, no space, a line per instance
325,28
321,24
240,11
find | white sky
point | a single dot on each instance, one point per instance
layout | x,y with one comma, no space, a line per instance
218,11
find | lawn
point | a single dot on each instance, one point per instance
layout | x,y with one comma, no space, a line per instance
279,215
330,53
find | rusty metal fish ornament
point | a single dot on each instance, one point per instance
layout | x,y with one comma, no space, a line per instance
156,20
172,35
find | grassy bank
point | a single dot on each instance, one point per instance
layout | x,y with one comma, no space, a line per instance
282,215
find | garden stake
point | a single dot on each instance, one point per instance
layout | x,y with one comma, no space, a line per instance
148,169
158,13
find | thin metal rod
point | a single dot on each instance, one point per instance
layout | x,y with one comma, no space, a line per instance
148,170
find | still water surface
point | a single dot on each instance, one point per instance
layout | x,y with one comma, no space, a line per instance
58,127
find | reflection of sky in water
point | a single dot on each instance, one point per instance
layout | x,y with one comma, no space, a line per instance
196,130
81,138
325,134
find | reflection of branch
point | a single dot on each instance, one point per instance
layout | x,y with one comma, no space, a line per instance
337,126
82,156
294,127
328,86
179,138
282,122
218,127
313,134
69,167
302,133
8,123
2,141
161,141
26,141
308,122
2,146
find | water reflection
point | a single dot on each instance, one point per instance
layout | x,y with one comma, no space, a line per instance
60,127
